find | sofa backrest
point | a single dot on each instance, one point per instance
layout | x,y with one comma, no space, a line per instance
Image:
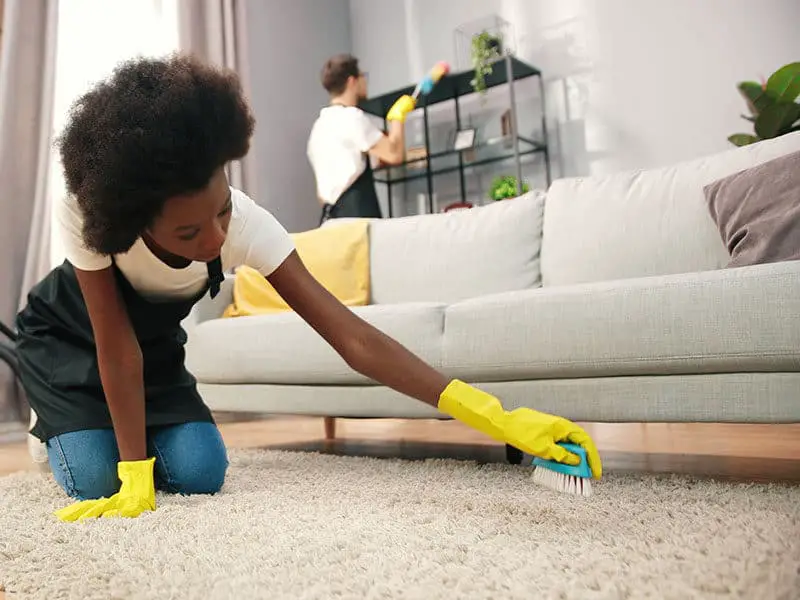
457,255
642,223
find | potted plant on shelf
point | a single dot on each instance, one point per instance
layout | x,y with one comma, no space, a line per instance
506,186
486,48
773,110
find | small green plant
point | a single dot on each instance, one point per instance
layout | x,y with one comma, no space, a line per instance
505,186
486,48
773,110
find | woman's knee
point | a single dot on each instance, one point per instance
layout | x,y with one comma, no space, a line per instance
84,463
206,480
203,474
190,458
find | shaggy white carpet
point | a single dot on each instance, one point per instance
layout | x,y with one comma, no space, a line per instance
296,525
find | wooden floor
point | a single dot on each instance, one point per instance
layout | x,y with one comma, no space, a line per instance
749,452
743,452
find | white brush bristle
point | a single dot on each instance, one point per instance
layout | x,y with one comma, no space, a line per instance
566,484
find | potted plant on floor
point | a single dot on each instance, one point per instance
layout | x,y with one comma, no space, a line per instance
506,186
773,110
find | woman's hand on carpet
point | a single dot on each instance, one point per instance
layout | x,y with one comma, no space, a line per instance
538,434
529,430
136,495
377,356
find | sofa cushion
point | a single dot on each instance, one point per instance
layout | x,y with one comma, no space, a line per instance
456,255
737,320
338,258
757,211
283,349
642,223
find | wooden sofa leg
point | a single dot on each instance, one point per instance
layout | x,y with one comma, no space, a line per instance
330,428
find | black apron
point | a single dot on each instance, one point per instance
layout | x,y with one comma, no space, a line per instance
359,200
58,358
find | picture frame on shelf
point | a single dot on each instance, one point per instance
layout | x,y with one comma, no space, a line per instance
464,139
461,145
507,129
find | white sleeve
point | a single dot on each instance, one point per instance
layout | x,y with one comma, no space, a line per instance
256,237
69,223
365,131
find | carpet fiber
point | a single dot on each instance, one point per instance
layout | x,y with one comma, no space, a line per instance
295,525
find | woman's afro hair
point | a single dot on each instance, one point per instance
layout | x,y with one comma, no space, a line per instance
156,128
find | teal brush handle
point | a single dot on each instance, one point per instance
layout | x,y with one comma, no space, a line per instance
581,470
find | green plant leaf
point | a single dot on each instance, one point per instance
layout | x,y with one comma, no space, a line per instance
755,96
777,119
505,186
784,84
482,57
742,139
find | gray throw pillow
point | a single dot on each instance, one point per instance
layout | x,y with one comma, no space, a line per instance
757,211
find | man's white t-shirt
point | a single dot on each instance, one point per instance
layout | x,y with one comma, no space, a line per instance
339,138
255,238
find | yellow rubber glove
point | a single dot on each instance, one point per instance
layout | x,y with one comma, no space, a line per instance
528,430
401,108
136,495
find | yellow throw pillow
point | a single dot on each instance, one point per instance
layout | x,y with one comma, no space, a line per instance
337,256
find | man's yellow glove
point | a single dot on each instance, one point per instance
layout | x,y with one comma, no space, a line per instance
136,495
401,108
528,430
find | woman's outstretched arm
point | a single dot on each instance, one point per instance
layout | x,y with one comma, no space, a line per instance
373,354
363,347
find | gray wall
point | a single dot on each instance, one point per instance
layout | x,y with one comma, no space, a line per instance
631,84
289,41
400,41
379,42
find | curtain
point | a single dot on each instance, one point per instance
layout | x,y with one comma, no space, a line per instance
94,36
214,31
88,40
27,66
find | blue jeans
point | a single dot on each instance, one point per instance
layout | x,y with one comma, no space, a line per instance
190,459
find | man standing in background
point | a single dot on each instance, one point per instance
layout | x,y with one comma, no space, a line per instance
343,138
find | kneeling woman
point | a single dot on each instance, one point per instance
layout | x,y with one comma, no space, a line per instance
148,226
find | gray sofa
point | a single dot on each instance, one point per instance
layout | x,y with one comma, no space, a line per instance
605,299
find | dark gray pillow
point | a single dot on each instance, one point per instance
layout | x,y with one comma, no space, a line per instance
757,211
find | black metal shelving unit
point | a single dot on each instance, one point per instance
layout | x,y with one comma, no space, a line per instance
454,87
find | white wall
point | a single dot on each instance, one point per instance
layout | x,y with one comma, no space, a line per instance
289,42
657,80
83,27
649,82
630,83
379,41
398,42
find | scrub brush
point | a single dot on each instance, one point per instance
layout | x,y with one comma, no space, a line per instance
563,478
